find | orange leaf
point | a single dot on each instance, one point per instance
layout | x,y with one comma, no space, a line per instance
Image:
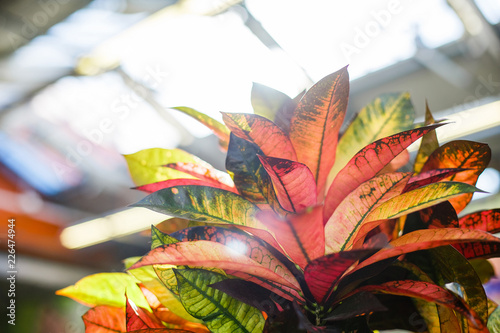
316,123
105,319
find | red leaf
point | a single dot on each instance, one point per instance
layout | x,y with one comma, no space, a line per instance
476,250
201,253
426,291
367,163
293,183
301,236
460,154
442,215
138,318
150,188
486,220
203,172
105,319
342,228
429,177
263,132
316,123
323,274
427,239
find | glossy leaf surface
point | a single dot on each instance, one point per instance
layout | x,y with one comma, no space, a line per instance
261,131
301,236
367,163
345,223
105,319
201,203
316,123
221,312
146,166
203,172
461,154
385,116
105,289
293,183
211,254
218,128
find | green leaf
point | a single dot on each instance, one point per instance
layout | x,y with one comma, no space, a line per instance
266,101
146,166
367,163
386,115
221,312
261,131
153,187
148,277
419,199
345,225
494,321
293,183
316,124
221,131
429,143
105,289
201,203
460,154
233,259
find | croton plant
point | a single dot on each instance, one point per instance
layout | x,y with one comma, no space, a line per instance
314,228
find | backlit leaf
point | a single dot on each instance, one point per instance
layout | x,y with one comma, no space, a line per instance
293,183
261,131
105,319
201,203
105,289
427,239
426,291
386,115
221,312
146,166
487,220
137,318
429,177
475,250
301,236
418,199
345,223
316,123
461,154
429,142
322,274
367,163
203,172
211,254
442,215
218,128
266,101
150,188
494,321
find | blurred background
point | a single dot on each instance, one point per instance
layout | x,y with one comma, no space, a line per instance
84,82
